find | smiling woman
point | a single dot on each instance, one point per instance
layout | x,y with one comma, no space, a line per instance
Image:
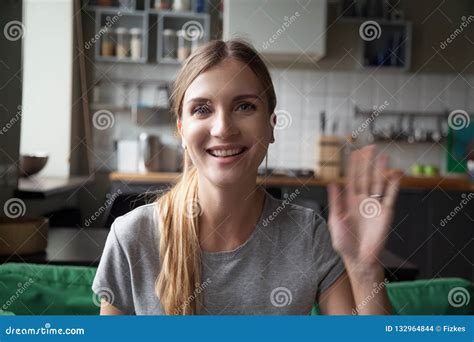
204,247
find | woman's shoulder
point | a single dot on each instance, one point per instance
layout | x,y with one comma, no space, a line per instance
140,224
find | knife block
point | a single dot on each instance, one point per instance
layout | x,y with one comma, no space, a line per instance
328,157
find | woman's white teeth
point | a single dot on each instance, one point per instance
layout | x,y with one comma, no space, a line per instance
226,153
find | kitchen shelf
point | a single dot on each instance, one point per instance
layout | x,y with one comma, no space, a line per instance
112,108
360,20
407,182
366,112
136,6
392,50
128,20
194,7
130,81
404,140
178,21
120,60
139,16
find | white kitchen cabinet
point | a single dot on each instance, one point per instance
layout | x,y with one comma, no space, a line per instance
282,30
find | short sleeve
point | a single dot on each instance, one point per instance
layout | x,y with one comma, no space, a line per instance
113,279
329,264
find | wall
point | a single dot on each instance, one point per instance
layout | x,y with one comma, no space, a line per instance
304,94
47,80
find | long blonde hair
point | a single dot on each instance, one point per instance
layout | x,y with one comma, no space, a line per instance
179,279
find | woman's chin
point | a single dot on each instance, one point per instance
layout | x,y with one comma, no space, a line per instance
225,178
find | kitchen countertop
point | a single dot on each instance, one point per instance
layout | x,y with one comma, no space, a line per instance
42,187
408,182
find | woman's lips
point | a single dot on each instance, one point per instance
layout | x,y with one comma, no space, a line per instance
228,159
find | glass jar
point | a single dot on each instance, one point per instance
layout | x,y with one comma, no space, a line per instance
181,5
123,42
135,43
169,44
164,5
184,45
107,44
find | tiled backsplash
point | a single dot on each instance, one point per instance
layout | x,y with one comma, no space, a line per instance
303,94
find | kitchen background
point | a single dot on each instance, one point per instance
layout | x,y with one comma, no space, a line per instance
85,80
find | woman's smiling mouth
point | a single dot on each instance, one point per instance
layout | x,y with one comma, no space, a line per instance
227,153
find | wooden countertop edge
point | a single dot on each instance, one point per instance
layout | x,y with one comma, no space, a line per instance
408,182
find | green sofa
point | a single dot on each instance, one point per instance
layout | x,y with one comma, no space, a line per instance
31,289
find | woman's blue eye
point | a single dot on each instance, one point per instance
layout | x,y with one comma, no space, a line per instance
246,107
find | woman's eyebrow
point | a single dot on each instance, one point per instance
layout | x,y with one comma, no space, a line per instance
236,98
246,96
198,99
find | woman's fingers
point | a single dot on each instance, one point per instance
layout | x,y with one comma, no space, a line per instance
366,167
391,191
379,175
351,180
360,170
336,200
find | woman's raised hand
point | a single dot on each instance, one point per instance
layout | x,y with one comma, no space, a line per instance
361,212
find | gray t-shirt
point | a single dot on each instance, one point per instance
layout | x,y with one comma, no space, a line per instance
281,269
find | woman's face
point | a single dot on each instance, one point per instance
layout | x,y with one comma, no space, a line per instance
225,123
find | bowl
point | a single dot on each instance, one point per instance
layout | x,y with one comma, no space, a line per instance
20,236
31,164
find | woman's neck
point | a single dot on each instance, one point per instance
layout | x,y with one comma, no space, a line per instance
229,214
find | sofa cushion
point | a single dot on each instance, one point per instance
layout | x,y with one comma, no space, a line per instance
439,296
31,289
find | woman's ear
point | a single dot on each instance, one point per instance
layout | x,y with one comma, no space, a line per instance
179,126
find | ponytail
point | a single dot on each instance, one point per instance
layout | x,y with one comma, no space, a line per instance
180,255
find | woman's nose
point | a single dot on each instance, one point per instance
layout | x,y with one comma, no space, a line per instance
223,125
